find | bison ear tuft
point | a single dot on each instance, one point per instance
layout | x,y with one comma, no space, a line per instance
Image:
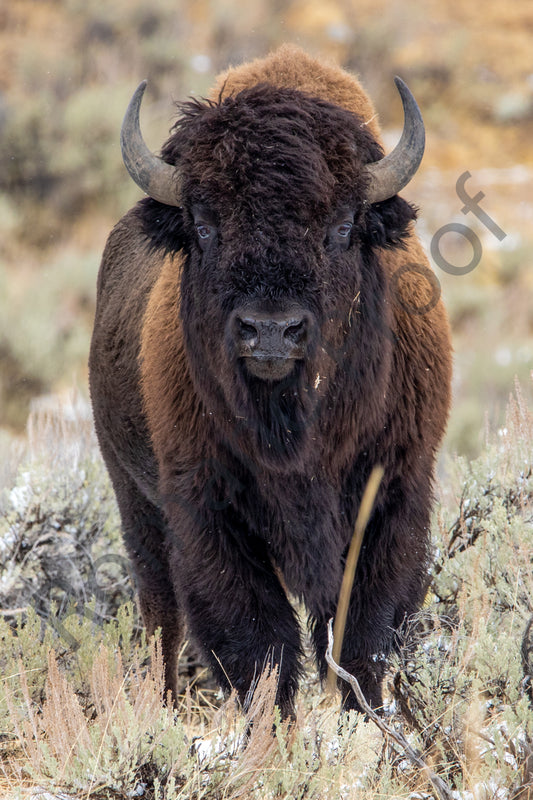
387,222
162,224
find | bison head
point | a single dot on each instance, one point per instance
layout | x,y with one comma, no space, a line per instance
280,204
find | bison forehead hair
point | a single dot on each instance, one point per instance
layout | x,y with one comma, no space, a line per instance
270,148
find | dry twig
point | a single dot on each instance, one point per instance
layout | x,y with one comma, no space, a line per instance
442,789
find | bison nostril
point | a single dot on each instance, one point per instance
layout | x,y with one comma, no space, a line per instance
296,331
246,330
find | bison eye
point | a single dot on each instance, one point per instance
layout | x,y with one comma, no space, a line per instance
204,231
344,230
206,234
338,234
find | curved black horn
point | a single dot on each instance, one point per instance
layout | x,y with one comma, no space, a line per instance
390,174
155,177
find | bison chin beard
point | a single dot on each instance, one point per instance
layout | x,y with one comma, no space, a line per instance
274,418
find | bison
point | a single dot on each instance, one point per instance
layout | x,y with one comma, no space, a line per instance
266,332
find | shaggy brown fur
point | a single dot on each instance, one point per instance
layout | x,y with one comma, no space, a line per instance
225,479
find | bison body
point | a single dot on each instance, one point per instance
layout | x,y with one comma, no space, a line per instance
259,345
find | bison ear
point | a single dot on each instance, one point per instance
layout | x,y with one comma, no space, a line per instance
162,225
387,222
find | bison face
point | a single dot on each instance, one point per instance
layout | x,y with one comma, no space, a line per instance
282,297
254,313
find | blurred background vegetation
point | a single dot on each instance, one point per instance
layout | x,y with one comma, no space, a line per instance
68,68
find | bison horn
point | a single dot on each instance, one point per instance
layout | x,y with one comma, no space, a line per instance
389,175
386,177
155,177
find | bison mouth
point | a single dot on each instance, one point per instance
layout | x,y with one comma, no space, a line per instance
269,368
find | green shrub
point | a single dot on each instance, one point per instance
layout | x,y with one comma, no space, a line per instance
464,688
59,529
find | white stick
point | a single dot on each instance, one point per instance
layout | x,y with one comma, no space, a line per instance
441,788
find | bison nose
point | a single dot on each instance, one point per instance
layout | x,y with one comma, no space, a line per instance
271,335
271,342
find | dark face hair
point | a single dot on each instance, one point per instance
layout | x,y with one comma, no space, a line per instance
274,222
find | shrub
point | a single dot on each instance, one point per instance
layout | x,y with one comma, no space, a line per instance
464,687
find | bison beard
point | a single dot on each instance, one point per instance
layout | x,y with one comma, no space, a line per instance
250,364
280,419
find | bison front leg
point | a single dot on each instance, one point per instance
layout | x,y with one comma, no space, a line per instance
144,532
236,608
390,584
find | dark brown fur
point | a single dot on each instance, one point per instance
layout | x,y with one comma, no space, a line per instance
224,479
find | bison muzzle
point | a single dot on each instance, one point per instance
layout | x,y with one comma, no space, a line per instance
256,351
